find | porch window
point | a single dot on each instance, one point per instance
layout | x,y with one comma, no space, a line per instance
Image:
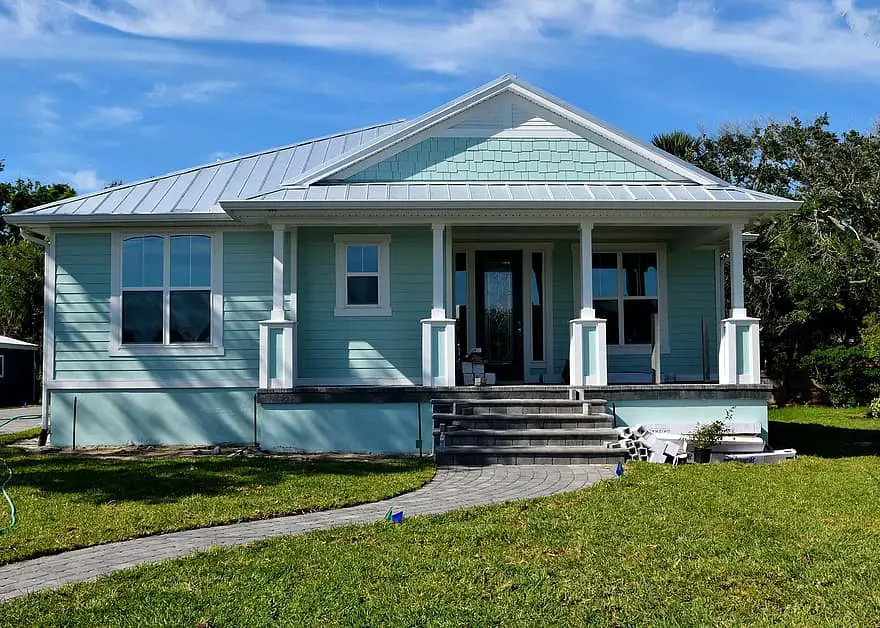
626,294
537,305
362,276
166,295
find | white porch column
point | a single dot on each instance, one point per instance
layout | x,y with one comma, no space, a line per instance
588,352
438,332
739,354
587,310
277,273
278,334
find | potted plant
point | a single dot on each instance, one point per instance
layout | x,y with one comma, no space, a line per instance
707,436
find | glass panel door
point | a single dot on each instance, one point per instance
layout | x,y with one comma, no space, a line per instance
499,276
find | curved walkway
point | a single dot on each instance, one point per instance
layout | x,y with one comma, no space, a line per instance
451,488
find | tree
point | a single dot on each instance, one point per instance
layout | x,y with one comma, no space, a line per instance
21,262
679,143
814,275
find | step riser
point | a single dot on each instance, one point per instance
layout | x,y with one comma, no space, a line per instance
487,459
515,410
453,439
554,423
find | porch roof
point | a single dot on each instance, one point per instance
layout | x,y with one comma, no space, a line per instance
532,193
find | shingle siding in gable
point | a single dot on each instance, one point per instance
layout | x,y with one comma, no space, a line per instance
504,159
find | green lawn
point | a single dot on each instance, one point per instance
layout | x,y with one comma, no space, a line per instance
65,502
794,544
825,432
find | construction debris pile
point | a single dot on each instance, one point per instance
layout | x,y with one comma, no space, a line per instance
643,445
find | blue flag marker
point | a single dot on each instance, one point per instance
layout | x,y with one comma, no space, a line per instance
619,469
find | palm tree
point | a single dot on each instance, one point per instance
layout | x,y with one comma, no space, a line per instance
679,143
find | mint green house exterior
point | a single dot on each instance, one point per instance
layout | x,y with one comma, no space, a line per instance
316,296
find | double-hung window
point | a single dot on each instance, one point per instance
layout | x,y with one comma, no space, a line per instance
166,295
362,276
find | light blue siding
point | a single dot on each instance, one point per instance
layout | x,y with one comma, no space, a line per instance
387,428
498,159
350,349
82,313
153,417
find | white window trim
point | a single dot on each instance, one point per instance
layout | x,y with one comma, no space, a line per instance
660,250
384,306
213,348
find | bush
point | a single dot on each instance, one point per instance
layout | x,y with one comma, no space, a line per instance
848,375
874,409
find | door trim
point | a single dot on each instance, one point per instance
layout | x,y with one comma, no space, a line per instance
531,368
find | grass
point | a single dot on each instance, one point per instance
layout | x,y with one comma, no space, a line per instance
66,502
794,544
826,432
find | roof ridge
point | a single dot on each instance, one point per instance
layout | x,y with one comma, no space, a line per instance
221,162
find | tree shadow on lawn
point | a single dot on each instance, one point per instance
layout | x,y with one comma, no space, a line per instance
160,481
824,441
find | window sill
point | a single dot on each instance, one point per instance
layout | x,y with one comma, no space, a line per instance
180,350
367,311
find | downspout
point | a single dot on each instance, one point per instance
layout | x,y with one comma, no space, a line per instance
44,402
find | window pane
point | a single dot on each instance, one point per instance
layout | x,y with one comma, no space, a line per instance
142,317
142,262
608,311
362,258
363,290
604,275
461,303
190,261
190,316
537,306
640,274
637,323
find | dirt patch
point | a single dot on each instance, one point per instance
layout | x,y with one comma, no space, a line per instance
168,451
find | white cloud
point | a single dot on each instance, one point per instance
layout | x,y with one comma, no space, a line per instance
110,117
797,35
86,180
196,92
42,110
74,78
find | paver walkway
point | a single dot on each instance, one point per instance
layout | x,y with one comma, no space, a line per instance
451,488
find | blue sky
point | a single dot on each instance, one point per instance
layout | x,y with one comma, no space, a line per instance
96,90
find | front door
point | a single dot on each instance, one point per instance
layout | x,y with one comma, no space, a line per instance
499,315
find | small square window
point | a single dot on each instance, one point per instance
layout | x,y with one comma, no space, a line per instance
362,276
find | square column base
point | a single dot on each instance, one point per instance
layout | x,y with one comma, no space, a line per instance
277,354
588,352
438,352
739,354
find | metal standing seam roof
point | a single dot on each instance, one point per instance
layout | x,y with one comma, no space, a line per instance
516,192
197,190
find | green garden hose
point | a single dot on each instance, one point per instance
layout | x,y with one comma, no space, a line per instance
8,498
9,478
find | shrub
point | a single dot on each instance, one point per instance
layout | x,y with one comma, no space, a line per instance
874,409
848,375
709,435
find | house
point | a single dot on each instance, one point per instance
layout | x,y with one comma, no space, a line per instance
318,296
18,381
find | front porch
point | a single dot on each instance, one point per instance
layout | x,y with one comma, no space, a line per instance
586,305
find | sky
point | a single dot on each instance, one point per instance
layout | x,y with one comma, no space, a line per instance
93,91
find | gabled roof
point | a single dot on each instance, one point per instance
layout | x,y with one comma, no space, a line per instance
11,343
197,190
393,142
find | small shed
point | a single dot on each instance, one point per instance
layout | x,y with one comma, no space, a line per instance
18,372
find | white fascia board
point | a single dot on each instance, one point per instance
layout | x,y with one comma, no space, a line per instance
41,223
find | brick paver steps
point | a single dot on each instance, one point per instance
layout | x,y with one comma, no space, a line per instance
452,488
